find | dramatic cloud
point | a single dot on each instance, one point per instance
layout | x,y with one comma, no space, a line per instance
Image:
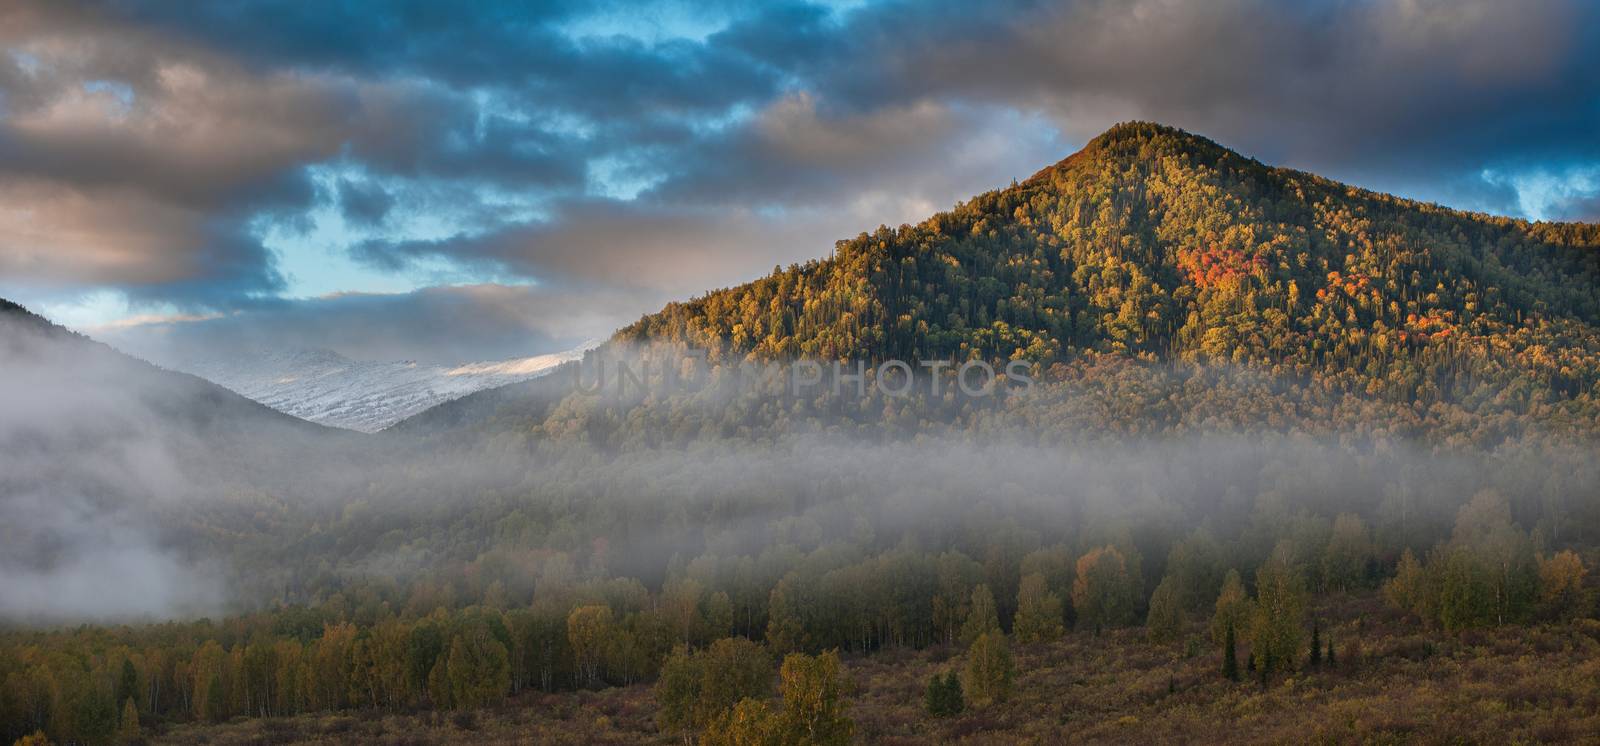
1369,90
239,158
143,159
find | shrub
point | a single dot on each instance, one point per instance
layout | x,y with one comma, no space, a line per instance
465,720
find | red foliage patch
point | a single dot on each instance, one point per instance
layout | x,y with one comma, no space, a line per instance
1210,267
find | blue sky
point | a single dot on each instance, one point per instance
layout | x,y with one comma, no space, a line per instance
480,180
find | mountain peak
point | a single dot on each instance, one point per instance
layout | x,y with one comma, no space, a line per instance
1143,141
1140,131
1155,243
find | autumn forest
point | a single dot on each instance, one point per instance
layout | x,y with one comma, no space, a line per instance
1313,459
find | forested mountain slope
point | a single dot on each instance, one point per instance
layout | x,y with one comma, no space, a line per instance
1154,263
1155,242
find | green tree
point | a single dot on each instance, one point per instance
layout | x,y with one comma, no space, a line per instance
1230,655
331,662
1561,592
1279,611
955,575
813,689
384,664
1196,564
128,729
1408,590
424,646
982,616
216,701
479,668
1344,562
751,722
1039,612
1104,590
1233,608
1466,588
1164,623
1316,643
719,614
588,630
210,696
785,631
697,688
944,697
128,683
734,668
93,711
677,690
1502,563
989,669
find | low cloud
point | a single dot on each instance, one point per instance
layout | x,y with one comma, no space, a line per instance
444,325
85,471
113,572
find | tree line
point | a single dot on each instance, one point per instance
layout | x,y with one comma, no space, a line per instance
712,659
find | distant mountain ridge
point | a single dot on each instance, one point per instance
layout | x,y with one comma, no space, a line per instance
26,338
325,387
316,386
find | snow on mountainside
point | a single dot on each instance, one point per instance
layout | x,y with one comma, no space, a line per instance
327,388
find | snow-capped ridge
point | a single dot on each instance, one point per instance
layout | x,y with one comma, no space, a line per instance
525,366
328,388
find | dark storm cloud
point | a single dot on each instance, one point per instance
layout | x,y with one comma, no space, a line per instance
1409,93
144,146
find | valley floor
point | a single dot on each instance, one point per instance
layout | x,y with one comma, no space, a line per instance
1393,683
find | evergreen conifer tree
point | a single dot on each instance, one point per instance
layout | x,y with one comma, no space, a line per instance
1230,656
